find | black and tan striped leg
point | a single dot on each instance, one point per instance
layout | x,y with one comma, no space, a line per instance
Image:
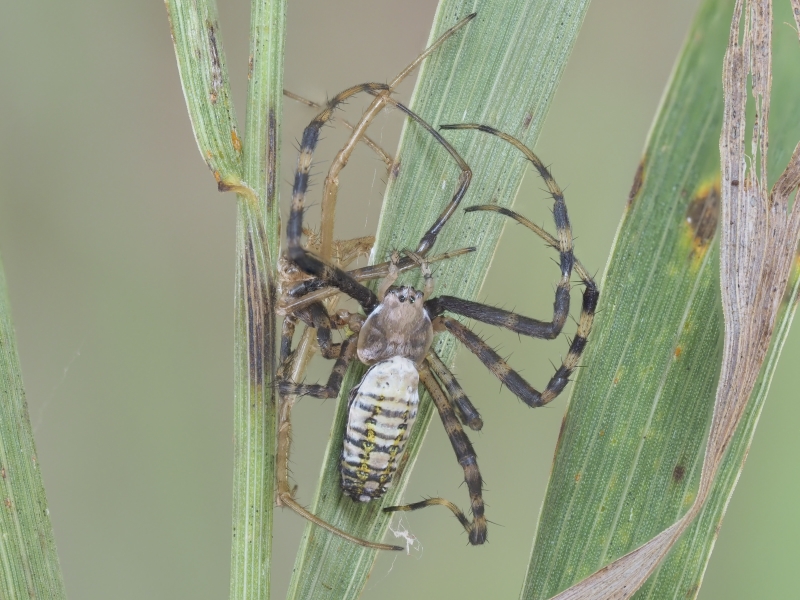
331,389
382,154
331,187
561,218
310,264
513,380
476,529
328,274
464,408
313,290
317,317
428,239
563,243
285,494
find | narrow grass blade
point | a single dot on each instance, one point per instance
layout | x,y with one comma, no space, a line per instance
502,70
257,244
247,167
632,444
204,77
29,565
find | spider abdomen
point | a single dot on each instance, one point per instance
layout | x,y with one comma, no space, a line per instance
382,409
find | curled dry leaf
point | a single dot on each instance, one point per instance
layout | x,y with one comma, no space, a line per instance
759,240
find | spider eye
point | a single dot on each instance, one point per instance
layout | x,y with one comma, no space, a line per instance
402,298
411,299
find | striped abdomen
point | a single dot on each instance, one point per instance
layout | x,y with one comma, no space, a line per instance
381,412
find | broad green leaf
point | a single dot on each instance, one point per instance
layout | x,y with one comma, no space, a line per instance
29,565
502,70
629,455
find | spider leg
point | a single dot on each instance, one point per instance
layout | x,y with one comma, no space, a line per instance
552,241
503,318
331,188
464,179
513,380
285,496
382,154
307,262
391,276
476,529
466,411
320,320
518,323
313,290
287,333
331,389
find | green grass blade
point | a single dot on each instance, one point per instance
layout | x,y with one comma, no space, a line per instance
29,565
204,77
502,69
248,167
257,244
629,455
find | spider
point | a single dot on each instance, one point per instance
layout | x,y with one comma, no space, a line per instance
394,339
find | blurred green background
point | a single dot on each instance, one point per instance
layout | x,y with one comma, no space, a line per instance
119,255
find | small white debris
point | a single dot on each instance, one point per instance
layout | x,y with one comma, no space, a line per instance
412,543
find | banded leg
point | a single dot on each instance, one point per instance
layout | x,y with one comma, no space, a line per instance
513,380
314,290
317,317
310,264
331,389
476,529
329,274
287,333
285,497
331,188
369,142
429,238
466,411
564,245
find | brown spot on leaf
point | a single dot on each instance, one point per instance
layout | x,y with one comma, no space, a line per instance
561,430
237,143
395,170
249,67
216,65
702,216
692,591
259,304
272,157
526,122
8,503
577,477
638,179
678,473
402,466
218,177
678,351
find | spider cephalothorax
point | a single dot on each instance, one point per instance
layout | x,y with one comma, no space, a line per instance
395,338
399,326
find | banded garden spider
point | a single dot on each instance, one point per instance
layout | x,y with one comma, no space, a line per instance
394,339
